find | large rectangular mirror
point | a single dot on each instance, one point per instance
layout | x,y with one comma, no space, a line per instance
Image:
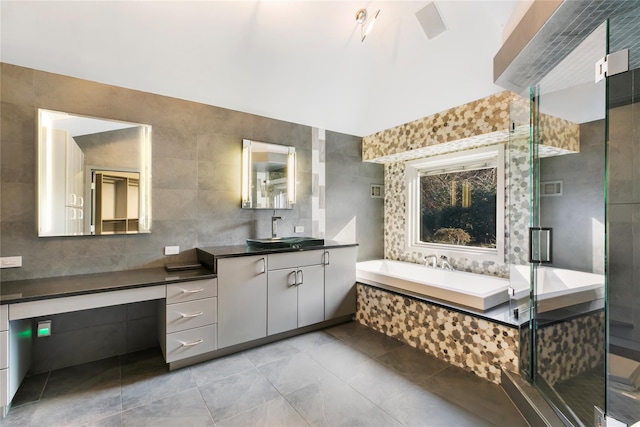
94,176
268,175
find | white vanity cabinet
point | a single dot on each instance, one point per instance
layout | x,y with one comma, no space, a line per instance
190,314
295,295
4,356
339,282
242,299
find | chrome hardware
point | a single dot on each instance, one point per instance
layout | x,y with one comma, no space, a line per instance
192,343
298,283
326,258
192,291
274,225
444,263
431,257
264,266
188,316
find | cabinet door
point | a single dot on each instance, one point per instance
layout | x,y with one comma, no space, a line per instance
340,280
282,301
310,295
242,299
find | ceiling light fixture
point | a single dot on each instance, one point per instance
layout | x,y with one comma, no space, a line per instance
366,25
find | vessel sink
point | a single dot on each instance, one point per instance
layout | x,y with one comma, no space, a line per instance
284,242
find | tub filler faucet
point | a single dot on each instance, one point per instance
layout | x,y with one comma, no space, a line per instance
444,263
433,258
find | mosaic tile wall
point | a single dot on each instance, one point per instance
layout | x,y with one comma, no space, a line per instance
561,137
477,123
395,230
479,117
474,344
571,347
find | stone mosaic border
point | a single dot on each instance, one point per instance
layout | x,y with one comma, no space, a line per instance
474,344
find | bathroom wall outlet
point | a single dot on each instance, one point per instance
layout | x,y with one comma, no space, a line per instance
10,261
171,250
298,229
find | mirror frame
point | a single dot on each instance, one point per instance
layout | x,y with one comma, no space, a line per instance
247,173
46,205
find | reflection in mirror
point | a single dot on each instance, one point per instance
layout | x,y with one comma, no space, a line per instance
268,175
94,176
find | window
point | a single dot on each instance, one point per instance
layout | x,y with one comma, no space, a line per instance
455,204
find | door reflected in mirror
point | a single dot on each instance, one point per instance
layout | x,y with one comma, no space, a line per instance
268,175
94,176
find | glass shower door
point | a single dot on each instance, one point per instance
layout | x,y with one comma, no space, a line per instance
567,243
623,222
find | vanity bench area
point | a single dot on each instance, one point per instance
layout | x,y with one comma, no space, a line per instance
240,297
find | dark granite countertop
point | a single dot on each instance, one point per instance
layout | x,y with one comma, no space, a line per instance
65,286
207,255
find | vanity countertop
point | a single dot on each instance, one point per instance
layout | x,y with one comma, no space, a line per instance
65,286
207,255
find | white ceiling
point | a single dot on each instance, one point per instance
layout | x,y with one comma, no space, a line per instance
298,61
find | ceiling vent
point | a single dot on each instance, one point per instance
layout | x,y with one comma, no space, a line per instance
431,21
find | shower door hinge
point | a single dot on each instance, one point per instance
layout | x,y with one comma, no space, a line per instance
612,64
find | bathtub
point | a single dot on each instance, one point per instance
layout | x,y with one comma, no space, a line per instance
460,288
557,287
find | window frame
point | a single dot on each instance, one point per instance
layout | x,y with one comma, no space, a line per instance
492,154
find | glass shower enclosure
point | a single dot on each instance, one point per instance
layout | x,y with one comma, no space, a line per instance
581,346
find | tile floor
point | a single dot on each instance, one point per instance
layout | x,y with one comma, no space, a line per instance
347,375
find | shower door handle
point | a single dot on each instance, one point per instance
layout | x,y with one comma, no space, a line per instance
540,251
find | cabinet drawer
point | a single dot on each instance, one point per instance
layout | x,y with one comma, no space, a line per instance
4,388
191,314
189,291
4,317
4,349
192,342
295,259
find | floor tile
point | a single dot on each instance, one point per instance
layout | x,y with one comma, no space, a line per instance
185,409
347,375
270,352
214,370
30,390
141,361
346,330
372,343
339,358
418,407
412,363
82,378
77,408
310,341
331,402
153,385
476,395
277,412
20,416
233,395
111,421
294,372
377,382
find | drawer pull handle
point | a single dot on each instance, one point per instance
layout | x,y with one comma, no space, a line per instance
192,291
188,316
192,343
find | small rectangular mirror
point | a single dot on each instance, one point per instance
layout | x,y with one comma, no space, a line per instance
94,176
268,175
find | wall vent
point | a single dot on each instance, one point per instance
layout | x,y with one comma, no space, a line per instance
551,188
377,191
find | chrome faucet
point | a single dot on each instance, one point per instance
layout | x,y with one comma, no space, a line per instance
426,259
274,226
444,263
